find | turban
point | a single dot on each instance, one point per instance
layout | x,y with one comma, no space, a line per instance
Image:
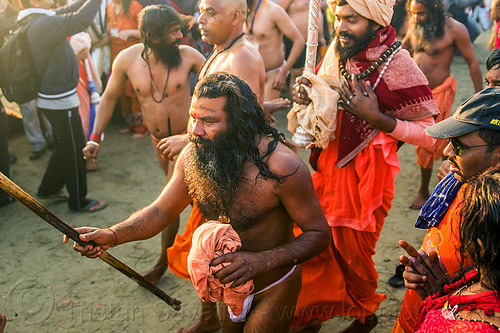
379,11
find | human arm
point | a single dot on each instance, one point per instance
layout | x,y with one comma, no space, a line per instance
464,45
172,145
127,33
412,132
102,42
144,223
288,28
297,196
424,273
74,19
105,109
197,59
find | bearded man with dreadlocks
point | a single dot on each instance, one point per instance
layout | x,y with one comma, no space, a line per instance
433,39
238,170
158,70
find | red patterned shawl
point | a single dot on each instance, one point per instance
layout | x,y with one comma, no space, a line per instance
403,92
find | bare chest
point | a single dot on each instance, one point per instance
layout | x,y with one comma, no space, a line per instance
157,82
263,29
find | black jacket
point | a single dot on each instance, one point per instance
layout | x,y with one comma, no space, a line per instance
54,58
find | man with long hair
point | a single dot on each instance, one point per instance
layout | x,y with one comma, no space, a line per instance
238,170
433,38
158,70
473,136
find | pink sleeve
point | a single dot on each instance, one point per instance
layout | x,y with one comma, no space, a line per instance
412,132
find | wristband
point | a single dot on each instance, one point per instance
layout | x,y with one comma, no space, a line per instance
93,143
95,137
116,237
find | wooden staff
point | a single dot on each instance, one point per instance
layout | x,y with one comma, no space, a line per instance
15,191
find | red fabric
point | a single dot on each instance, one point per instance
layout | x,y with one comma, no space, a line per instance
356,197
84,97
400,101
431,318
445,240
120,21
444,95
211,240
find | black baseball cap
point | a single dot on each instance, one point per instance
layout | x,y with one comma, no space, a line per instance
482,110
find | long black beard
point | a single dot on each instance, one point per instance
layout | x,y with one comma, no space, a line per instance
424,34
169,54
213,171
360,43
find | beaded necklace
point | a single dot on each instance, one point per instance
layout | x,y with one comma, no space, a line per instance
163,94
454,310
212,57
387,55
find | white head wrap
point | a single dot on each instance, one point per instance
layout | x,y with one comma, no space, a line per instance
379,11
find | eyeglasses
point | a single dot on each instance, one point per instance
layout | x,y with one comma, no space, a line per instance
459,148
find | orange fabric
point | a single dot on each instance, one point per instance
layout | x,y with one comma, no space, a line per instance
445,240
178,253
342,281
211,240
444,95
121,21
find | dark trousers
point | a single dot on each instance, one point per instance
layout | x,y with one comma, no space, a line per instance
4,151
66,165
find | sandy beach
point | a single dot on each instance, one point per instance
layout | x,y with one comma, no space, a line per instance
47,287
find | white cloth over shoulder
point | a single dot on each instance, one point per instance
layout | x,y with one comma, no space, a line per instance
319,118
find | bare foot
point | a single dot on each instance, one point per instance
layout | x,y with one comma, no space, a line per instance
357,327
419,200
125,130
137,136
313,326
202,326
154,274
3,321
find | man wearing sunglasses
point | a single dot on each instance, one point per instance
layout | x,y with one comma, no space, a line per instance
474,146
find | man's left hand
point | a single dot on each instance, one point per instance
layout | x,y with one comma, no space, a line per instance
361,100
280,80
243,266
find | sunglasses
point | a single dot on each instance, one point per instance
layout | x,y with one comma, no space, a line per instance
459,148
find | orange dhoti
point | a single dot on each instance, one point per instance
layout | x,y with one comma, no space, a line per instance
342,281
444,95
178,253
443,239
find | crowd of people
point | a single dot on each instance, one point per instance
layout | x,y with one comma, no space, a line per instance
203,79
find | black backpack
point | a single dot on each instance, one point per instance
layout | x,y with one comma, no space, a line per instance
19,80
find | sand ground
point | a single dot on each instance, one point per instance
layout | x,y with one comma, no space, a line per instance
46,287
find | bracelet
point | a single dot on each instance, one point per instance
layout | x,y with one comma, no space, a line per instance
95,137
116,237
93,143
